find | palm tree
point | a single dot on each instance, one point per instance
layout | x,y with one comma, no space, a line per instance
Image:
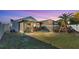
64,21
65,17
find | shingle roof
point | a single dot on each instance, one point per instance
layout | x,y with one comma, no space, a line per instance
29,18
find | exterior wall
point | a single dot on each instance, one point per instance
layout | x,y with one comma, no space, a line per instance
6,27
1,30
31,27
15,26
25,27
48,24
21,27
38,25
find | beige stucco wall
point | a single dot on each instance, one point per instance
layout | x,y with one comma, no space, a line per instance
48,24
22,27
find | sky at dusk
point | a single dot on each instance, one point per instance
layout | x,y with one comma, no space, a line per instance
6,15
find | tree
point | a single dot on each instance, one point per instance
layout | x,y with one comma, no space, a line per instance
64,18
76,16
73,21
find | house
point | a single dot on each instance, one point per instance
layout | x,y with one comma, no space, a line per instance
30,24
56,26
47,24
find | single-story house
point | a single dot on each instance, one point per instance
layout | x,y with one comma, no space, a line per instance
30,24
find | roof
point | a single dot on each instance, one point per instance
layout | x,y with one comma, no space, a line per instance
29,18
45,20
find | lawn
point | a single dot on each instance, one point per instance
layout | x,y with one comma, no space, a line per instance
60,40
22,41
40,40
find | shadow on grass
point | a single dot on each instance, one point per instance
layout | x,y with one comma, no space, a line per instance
21,41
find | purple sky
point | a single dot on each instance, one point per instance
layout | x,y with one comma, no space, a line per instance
6,15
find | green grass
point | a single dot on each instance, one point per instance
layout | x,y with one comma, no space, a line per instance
22,41
66,40
40,40
60,40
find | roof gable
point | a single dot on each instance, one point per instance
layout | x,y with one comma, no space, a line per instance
30,18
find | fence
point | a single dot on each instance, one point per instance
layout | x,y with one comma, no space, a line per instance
4,28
